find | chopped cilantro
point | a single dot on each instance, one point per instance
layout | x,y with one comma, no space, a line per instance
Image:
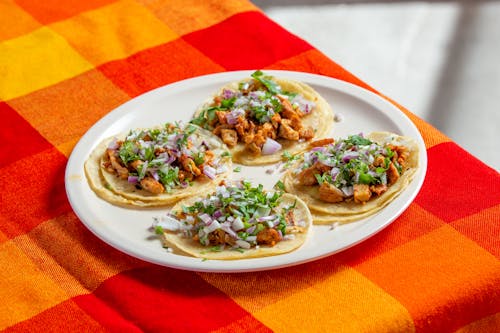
158,230
267,81
128,152
365,178
289,158
279,186
319,178
358,140
227,103
216,248
199,158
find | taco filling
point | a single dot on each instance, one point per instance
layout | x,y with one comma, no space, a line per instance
161,159
239,219
258,113
350,179
157,166
355,168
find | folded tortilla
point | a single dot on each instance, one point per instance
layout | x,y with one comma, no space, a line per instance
320,119
185,245
123,193
349,211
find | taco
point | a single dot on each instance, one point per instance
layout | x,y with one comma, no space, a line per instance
157,166
237,221
262,116
352,178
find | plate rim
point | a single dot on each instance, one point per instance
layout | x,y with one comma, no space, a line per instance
224,266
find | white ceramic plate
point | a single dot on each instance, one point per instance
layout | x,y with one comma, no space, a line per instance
128,230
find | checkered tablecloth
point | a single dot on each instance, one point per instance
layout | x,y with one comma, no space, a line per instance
66,64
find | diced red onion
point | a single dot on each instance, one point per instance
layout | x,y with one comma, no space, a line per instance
349,156
251,229
209,171
226,226
280,233
231,119
133,179
205,144
256,94
237,224
356,177
334,173
214,225
308,108
155,175
329,162
170,159
251,239
205,218
270,147
227,94
347,190
113,144
320,149
266,218
175,152
383,178
243,244
238,112
217,214
339,146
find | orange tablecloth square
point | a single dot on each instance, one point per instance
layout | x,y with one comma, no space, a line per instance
66,65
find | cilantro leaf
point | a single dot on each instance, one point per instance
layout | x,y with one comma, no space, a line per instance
358,140
158,230
267,81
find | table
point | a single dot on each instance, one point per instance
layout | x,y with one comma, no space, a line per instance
64,65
